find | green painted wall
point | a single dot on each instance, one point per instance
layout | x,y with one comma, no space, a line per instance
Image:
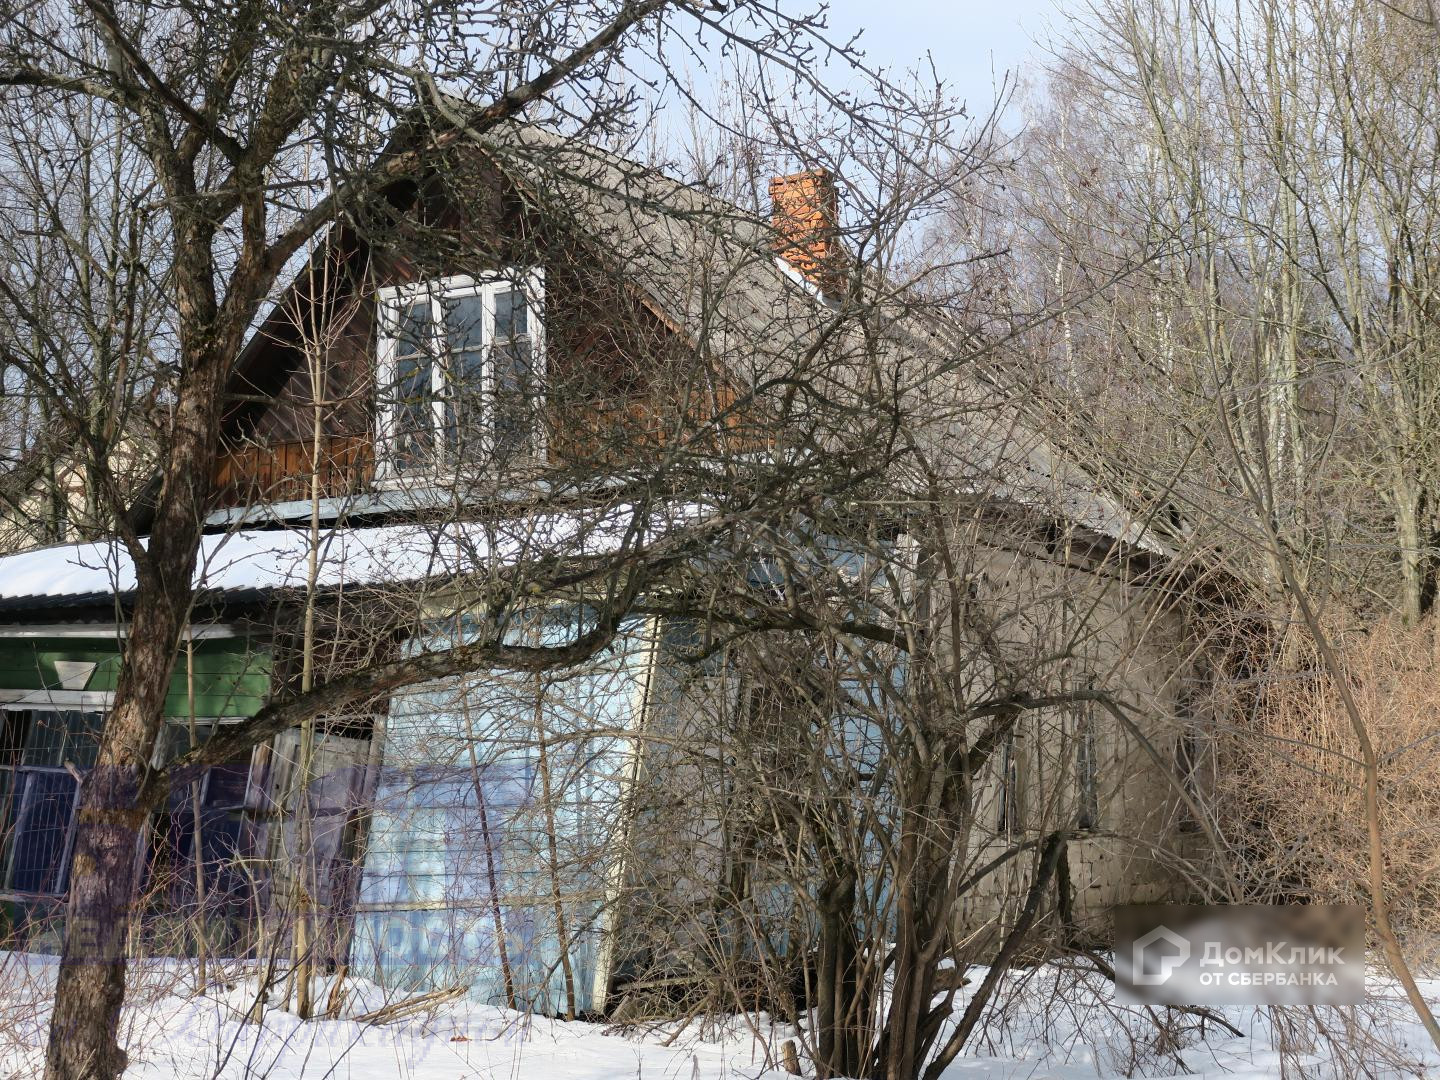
232,675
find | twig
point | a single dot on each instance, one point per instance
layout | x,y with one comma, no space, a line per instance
398,1010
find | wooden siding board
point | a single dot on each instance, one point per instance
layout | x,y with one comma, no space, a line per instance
620,378
232,676
281,472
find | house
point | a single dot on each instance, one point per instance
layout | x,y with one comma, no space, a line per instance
538,370
46,497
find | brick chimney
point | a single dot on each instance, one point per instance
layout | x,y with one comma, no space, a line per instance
805,215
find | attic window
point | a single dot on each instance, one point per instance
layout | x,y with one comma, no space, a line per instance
459,365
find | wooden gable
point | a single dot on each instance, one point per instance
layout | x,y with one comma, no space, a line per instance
619,376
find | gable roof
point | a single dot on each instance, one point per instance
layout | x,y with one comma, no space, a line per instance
702,262
707,268
710,268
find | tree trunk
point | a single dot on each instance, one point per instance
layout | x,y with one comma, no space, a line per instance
842,1019
110,825
1407,532
965,1026
923,914
110,832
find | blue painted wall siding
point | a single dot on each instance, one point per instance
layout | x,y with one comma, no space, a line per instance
466,852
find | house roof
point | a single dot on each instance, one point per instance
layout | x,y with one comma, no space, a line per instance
710,267
245,565
707,265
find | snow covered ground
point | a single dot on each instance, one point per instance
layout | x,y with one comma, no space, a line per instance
1050,1024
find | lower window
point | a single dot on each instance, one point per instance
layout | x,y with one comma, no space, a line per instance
43,751
38,794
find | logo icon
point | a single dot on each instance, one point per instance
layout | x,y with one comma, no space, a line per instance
1156,955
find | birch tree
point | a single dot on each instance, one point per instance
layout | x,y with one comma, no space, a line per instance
1257,187
1265,175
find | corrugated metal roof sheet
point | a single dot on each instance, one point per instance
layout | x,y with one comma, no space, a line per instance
250,564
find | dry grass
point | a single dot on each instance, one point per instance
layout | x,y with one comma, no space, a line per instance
1290,782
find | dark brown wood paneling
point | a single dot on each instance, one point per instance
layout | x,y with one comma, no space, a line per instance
282,472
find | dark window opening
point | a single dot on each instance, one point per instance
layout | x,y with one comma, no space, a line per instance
1087,772
202,820
43,754
38,791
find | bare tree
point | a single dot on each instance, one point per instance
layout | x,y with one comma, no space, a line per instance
243,142
907,617
1248,230
220,123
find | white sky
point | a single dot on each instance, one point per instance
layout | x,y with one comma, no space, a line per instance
972,42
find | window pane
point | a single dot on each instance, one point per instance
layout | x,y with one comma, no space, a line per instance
226,789
223,785
223,847
414,332
413,384
176,741
514,394
38,861
464,336
1009,816
413,420
464,405
510,315
45,741
170,846
512,367
514,383
57,736
177,737
13,724
1087,770
12,791
82,740
464,323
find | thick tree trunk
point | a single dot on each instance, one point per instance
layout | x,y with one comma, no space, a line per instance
110,832
843,1020
91,986
110,825
923,915
933,828
1407,534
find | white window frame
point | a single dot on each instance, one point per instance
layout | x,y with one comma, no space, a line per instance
391,301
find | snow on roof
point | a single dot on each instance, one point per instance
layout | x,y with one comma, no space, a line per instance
257,561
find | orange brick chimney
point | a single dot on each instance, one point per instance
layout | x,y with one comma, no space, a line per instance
805,213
